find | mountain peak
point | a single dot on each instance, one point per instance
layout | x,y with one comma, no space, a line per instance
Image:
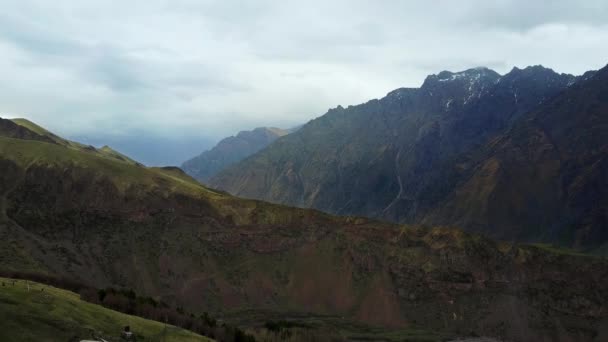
537,73
259,131
468,78
447,88
469,74
535,70
399,93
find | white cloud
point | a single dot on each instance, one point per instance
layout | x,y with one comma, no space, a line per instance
210,68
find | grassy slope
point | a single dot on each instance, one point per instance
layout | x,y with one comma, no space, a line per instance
105,151
60,315
28,152
44,132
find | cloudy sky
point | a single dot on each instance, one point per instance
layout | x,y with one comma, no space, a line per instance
188,72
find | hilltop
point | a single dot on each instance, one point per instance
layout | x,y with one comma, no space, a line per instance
33,131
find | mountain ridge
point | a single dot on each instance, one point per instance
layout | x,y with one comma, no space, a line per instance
394,158
231,150
551,142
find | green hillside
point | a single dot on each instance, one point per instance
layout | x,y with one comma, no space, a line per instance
44,132
105,151
35,312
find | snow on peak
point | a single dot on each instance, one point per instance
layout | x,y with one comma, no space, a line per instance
473,74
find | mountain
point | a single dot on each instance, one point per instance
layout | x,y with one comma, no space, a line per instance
399,157
80,214
546,178
230,151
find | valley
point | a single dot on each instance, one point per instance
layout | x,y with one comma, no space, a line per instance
106,221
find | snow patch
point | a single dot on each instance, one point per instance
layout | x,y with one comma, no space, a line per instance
447,105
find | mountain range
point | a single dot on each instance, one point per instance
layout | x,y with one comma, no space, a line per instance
517,157
73,211
230,151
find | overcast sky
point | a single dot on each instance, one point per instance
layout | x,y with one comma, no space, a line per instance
210,68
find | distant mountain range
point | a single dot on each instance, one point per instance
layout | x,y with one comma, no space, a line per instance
148,148
92,215
230,151
520,156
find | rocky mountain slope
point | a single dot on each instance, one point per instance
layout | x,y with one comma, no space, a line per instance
400,157
230,151
109,222
545,178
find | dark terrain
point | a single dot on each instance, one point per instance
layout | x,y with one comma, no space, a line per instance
94,216
519,157
229,151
